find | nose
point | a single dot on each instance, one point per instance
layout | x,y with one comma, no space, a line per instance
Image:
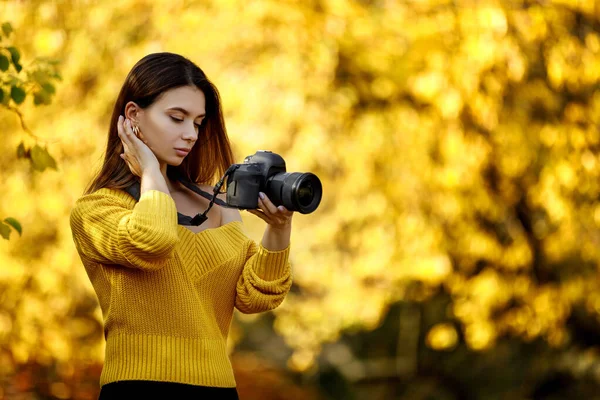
190,133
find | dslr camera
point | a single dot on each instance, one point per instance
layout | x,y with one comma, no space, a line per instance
264,171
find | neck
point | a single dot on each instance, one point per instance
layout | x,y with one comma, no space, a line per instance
171,185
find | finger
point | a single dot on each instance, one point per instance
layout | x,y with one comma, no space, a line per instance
134,139
263,207
120,125
267,203
259,214
125,147
127,129
120,128
121,132
285,211
125,135
129,139
284,215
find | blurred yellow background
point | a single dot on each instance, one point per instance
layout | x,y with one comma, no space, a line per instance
458,146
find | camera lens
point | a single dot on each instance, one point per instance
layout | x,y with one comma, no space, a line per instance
305,193
296,191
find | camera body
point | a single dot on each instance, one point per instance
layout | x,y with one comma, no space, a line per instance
265,172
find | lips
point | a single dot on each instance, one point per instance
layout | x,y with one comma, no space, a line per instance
183,149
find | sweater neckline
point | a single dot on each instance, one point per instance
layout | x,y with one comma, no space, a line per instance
209,230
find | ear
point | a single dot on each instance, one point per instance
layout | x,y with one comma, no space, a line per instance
132,111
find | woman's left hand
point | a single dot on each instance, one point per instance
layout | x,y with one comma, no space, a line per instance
277,217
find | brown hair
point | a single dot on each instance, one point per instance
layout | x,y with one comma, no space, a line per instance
149,78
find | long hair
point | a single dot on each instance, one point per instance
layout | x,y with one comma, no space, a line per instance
149,78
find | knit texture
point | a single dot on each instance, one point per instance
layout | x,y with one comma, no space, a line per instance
167,294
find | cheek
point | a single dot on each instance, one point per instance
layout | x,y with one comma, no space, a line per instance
156,129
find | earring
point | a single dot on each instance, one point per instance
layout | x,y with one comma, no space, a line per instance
136,130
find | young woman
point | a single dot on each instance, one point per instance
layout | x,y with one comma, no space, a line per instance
167,288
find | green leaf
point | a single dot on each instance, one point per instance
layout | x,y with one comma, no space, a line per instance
17,94
41,159
15,224
40,76
49,88
4,63
5,99
5,230
1,95
14,54
18,67
38,98
7,28
56,75
21,150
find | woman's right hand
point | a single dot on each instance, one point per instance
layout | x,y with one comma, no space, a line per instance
137,154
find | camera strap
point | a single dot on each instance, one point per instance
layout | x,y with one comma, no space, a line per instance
135,188
188,184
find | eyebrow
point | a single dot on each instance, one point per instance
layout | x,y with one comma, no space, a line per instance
184,111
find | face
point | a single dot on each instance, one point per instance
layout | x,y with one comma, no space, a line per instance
170,125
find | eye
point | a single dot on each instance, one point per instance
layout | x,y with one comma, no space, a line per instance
175,119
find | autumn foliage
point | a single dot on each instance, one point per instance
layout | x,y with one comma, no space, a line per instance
458,146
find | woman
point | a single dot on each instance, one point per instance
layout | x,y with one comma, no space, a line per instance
167,289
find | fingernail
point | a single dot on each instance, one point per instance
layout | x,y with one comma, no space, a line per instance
261,195
280,208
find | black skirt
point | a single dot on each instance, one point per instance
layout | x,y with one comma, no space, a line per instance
163,390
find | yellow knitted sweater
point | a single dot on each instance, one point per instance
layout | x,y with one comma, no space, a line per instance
167,294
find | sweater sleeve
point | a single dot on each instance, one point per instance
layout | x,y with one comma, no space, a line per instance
265,280
106,230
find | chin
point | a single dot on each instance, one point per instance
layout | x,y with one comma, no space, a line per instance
172,161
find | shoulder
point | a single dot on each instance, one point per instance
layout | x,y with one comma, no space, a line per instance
230,215
94,207
104,196
114,195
